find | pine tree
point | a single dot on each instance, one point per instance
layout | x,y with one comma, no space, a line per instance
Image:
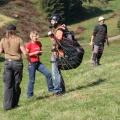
69,9
4,2
50,7
73,9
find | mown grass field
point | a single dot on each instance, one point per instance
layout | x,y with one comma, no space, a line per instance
93,93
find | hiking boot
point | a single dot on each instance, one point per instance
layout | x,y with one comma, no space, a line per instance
98,63
56,95
16,106
59,94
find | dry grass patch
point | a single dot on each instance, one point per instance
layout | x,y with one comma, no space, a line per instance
4,20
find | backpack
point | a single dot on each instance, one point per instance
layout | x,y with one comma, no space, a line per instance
73,51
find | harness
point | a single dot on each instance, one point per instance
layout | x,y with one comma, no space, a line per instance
73,52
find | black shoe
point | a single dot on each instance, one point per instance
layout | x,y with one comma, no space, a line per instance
63,92
30,96
16,106
60,93
51,90
97,64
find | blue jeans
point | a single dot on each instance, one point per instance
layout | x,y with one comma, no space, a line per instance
59,85
32,70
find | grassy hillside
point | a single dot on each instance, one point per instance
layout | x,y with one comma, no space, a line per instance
27,17
4,20
92,92
90,18
24,16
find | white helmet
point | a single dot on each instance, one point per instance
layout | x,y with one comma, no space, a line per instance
101,18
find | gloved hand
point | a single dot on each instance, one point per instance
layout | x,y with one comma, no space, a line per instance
50,34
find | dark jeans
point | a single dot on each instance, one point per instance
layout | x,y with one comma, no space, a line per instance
12,77
32,70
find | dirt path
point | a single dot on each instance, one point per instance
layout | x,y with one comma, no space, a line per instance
114,37
4,20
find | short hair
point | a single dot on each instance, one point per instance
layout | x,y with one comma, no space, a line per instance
32,33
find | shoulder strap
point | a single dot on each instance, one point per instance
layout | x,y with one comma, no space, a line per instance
65,31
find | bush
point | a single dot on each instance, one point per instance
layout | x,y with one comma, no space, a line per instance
118,24
4,2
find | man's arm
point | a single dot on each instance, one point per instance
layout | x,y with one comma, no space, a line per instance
93,35
59,35
107,41
1,51
92,40
107,37
52,38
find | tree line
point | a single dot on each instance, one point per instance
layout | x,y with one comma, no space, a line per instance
69,9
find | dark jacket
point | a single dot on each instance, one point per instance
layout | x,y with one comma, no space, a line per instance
100,33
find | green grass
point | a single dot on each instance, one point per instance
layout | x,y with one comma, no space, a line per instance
1,20
93,93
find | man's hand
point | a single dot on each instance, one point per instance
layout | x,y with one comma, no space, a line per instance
50,33
1,51
108,44
91,43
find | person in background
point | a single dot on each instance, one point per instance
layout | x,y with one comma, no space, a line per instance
57,52
12,45
34,49
98,38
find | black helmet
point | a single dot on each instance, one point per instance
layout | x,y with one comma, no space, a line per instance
57,18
